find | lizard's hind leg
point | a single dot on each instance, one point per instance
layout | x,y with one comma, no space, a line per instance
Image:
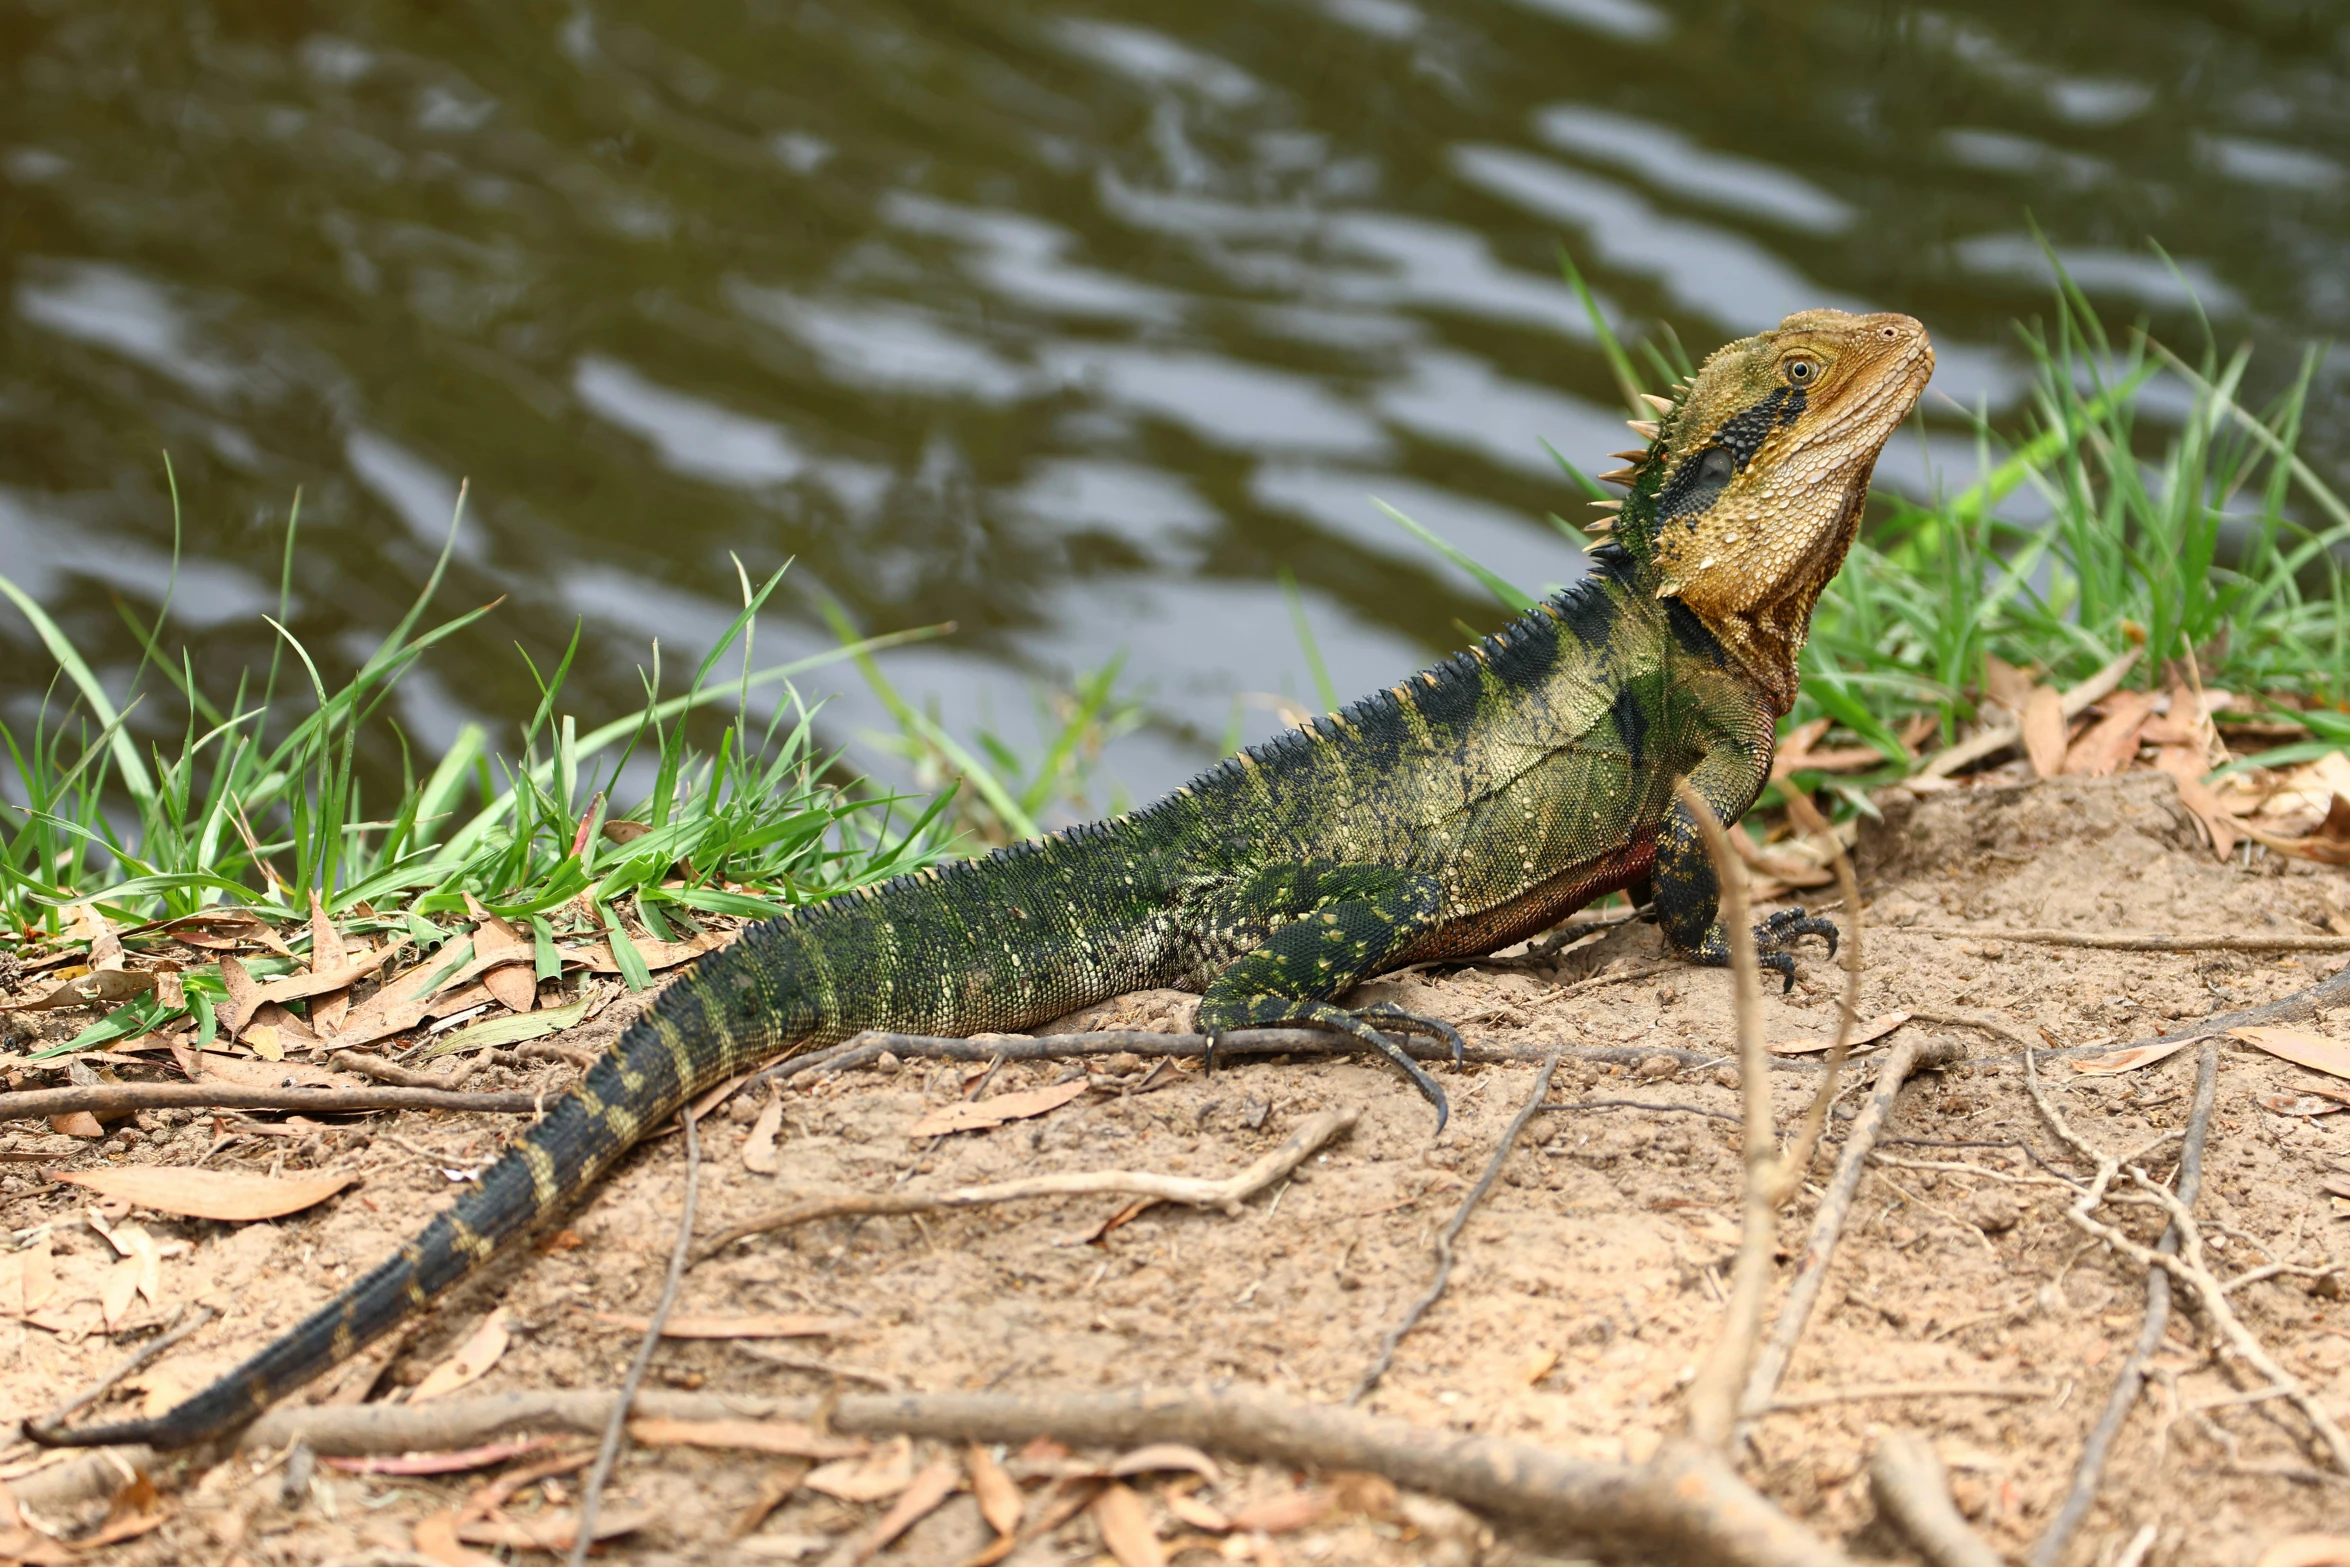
1344,924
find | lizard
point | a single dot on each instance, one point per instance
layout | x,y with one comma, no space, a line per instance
1459,811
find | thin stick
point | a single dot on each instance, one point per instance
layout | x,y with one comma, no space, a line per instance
1452,1231
2078,938
1907,1056
1226,1194
1686,1504
113,1100
1712,1397
189,1323
1796,1164
2127,1384
1912,1490
1872,1392
591,1493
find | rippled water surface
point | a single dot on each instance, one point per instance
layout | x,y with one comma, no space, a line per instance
1072,324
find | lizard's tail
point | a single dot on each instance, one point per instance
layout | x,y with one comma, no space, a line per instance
725,1013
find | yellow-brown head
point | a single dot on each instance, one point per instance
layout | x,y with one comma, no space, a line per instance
1752,487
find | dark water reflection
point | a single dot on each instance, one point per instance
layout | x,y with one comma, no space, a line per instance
1072,324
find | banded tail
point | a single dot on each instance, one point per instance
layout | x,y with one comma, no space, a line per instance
1003,942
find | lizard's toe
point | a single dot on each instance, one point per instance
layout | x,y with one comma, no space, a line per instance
1396,1020
1787,926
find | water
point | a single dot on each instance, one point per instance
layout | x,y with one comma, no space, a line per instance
1072,324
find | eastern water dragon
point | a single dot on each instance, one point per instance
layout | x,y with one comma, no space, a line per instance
1466,808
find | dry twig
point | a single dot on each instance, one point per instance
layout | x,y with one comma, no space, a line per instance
1912,1490
1872,1392
1908,1055
189,1321
1713,1392
113,1100
1797,1161
2082,1495
2186,1266
1452,1231
591,1492
1227,1194
2082,938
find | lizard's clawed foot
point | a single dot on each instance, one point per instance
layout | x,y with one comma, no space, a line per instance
1775,933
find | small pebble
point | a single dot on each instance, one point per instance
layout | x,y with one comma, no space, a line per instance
1659,1066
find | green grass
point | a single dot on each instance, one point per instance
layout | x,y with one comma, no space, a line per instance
258,804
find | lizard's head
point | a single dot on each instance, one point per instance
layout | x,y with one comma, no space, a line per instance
1751,487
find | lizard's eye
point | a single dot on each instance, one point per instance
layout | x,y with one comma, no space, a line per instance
1800,371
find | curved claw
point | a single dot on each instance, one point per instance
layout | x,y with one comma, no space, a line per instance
1780,964
1789,925
1434,1028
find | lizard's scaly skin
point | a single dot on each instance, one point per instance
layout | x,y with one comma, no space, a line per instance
1465,808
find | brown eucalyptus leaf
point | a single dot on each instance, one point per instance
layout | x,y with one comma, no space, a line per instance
208,1194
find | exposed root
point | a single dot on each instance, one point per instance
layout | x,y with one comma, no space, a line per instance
1227,1195
2082,1494
1907,1056
1912,1491
1685,1504
2186,1266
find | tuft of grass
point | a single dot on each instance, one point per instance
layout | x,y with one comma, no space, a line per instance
258,805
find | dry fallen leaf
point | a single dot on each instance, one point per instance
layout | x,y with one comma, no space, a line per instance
2113,739
497,943
1126,1528
2287,1104
784,1438
549,1531
1157,1456
244,997
209,1194
759,1147
998,1495
470,1363
78,1124
933,1485
2043,725
435,1539
2307,1550
769,1325
98,988
2310,1050
1283,1514
1537,1365
1867,1033
2129,1060
961,1117
1195,1512
868,1479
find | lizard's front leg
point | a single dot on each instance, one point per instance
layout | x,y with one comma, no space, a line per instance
1688,893
1344,924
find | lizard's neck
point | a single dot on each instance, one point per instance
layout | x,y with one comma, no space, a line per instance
1765,634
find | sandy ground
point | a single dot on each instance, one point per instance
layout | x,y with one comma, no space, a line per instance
1588,1281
